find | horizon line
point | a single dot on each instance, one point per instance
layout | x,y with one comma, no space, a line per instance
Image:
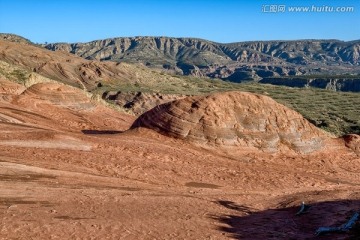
198,38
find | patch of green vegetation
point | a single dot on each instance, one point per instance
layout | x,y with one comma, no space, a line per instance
18,75
13,73
335,112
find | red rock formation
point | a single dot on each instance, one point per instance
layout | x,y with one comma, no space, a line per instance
234,119
58,94
353,141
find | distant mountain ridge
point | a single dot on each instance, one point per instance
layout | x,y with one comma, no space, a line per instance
330,64
236,62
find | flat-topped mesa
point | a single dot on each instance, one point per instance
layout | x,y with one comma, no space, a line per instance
234,119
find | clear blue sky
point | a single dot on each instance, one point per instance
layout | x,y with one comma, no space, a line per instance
221,21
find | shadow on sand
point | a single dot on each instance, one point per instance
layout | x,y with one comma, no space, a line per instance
100,132
283,223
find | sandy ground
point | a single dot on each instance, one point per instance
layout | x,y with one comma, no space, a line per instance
67,173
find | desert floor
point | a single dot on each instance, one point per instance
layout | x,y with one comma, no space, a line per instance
70,171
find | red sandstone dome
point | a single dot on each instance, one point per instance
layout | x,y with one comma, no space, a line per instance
234,119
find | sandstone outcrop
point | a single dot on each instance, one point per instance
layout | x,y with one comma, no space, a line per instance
58,95
234,119
352,141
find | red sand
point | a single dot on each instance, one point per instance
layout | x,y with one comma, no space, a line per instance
68,171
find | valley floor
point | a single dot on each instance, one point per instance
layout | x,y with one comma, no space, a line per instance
77,173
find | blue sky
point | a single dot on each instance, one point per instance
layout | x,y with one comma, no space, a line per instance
220,21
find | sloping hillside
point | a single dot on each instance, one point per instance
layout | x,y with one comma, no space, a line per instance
234,61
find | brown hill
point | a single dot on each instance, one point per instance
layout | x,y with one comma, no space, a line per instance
234,119
60,107
76,71
14,38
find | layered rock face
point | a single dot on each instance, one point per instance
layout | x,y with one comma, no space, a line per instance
235,62
59,107
234,119
201,52
139,102
352,141
7,87
58,95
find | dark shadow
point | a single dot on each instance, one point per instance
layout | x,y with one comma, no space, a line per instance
65,217
7,202
234,206
355,233
283,223
99,132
